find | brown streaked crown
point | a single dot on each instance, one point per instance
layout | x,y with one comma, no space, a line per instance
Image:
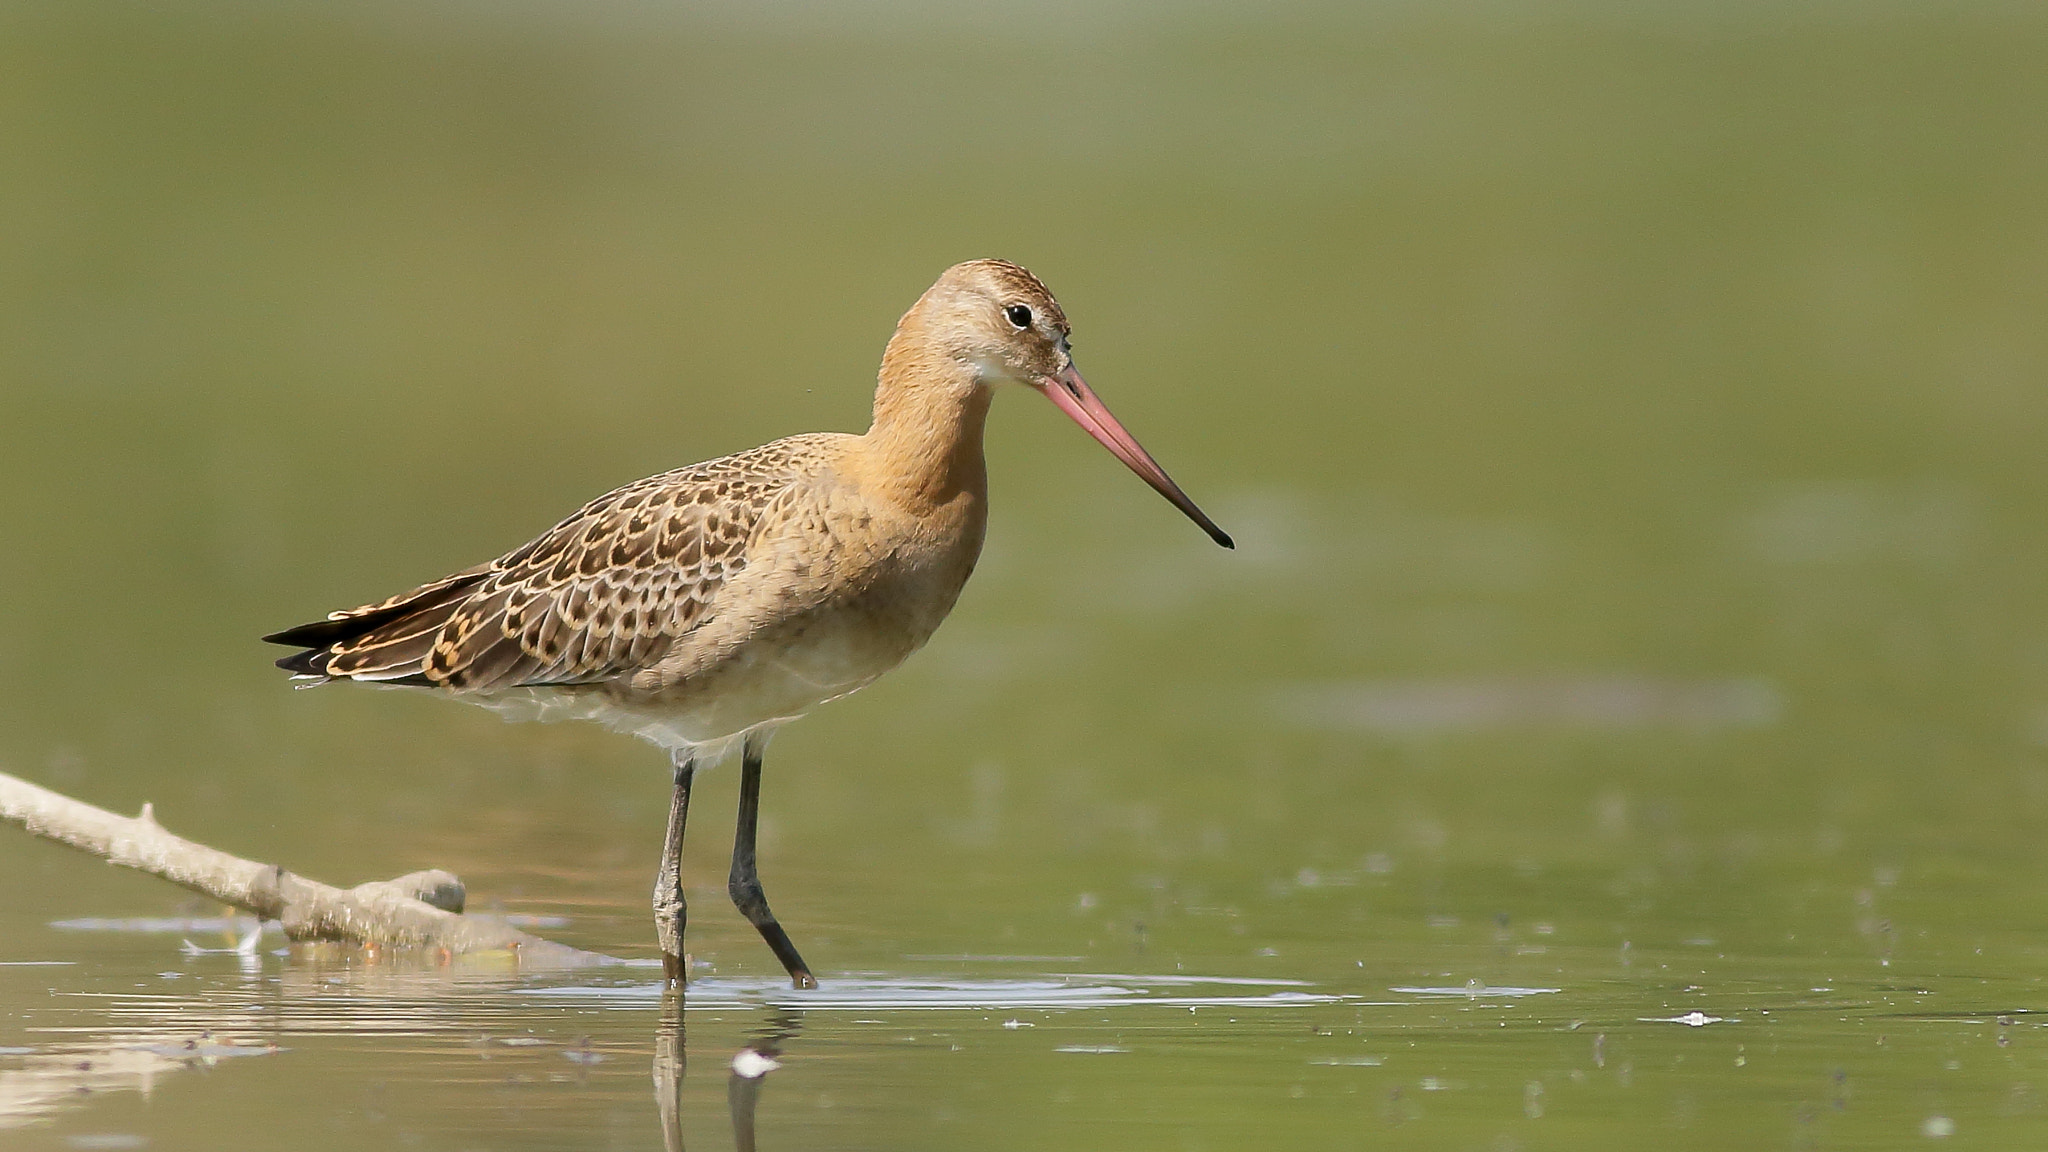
1012,280
963,320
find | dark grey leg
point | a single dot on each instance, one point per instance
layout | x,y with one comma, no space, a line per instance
670,911
745,882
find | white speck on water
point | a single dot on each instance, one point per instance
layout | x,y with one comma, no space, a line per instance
1937,1127
1352,1062
1694,1019
1086,901
751,1065
1022,1024
1091,1048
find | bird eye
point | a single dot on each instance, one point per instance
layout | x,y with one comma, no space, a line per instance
1019,315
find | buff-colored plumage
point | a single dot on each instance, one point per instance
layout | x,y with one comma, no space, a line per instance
701,608
694,606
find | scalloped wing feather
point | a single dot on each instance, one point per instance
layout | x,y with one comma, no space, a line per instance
605,592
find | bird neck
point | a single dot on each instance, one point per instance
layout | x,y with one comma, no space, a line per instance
926,440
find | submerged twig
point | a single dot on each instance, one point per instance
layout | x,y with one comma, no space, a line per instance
418,910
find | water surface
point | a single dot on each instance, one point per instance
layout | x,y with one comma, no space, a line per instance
1622,722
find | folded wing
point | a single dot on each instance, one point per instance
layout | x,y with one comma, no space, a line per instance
601,594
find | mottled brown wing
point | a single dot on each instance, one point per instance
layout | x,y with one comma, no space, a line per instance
607,590
604,592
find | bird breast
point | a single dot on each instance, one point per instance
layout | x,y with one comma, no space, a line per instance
837,593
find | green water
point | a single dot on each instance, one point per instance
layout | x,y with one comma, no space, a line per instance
1630,417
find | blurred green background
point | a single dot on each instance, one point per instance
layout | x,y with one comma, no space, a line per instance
1629,415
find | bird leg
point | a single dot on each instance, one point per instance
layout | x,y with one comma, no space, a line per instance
670,910
745,882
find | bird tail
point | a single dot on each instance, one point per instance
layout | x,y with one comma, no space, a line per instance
388,641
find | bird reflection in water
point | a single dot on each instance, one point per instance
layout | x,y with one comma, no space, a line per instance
749,1073
240,1015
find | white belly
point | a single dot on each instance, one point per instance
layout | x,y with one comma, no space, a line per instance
768,682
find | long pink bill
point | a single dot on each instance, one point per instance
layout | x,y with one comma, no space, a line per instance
1078,400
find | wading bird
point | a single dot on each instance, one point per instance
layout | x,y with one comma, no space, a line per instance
702,608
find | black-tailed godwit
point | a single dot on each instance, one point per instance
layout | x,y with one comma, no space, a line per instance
702,608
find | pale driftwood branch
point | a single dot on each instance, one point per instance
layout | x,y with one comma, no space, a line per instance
419,910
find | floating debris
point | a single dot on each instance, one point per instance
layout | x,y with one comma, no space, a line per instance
1690,1019
752,1065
